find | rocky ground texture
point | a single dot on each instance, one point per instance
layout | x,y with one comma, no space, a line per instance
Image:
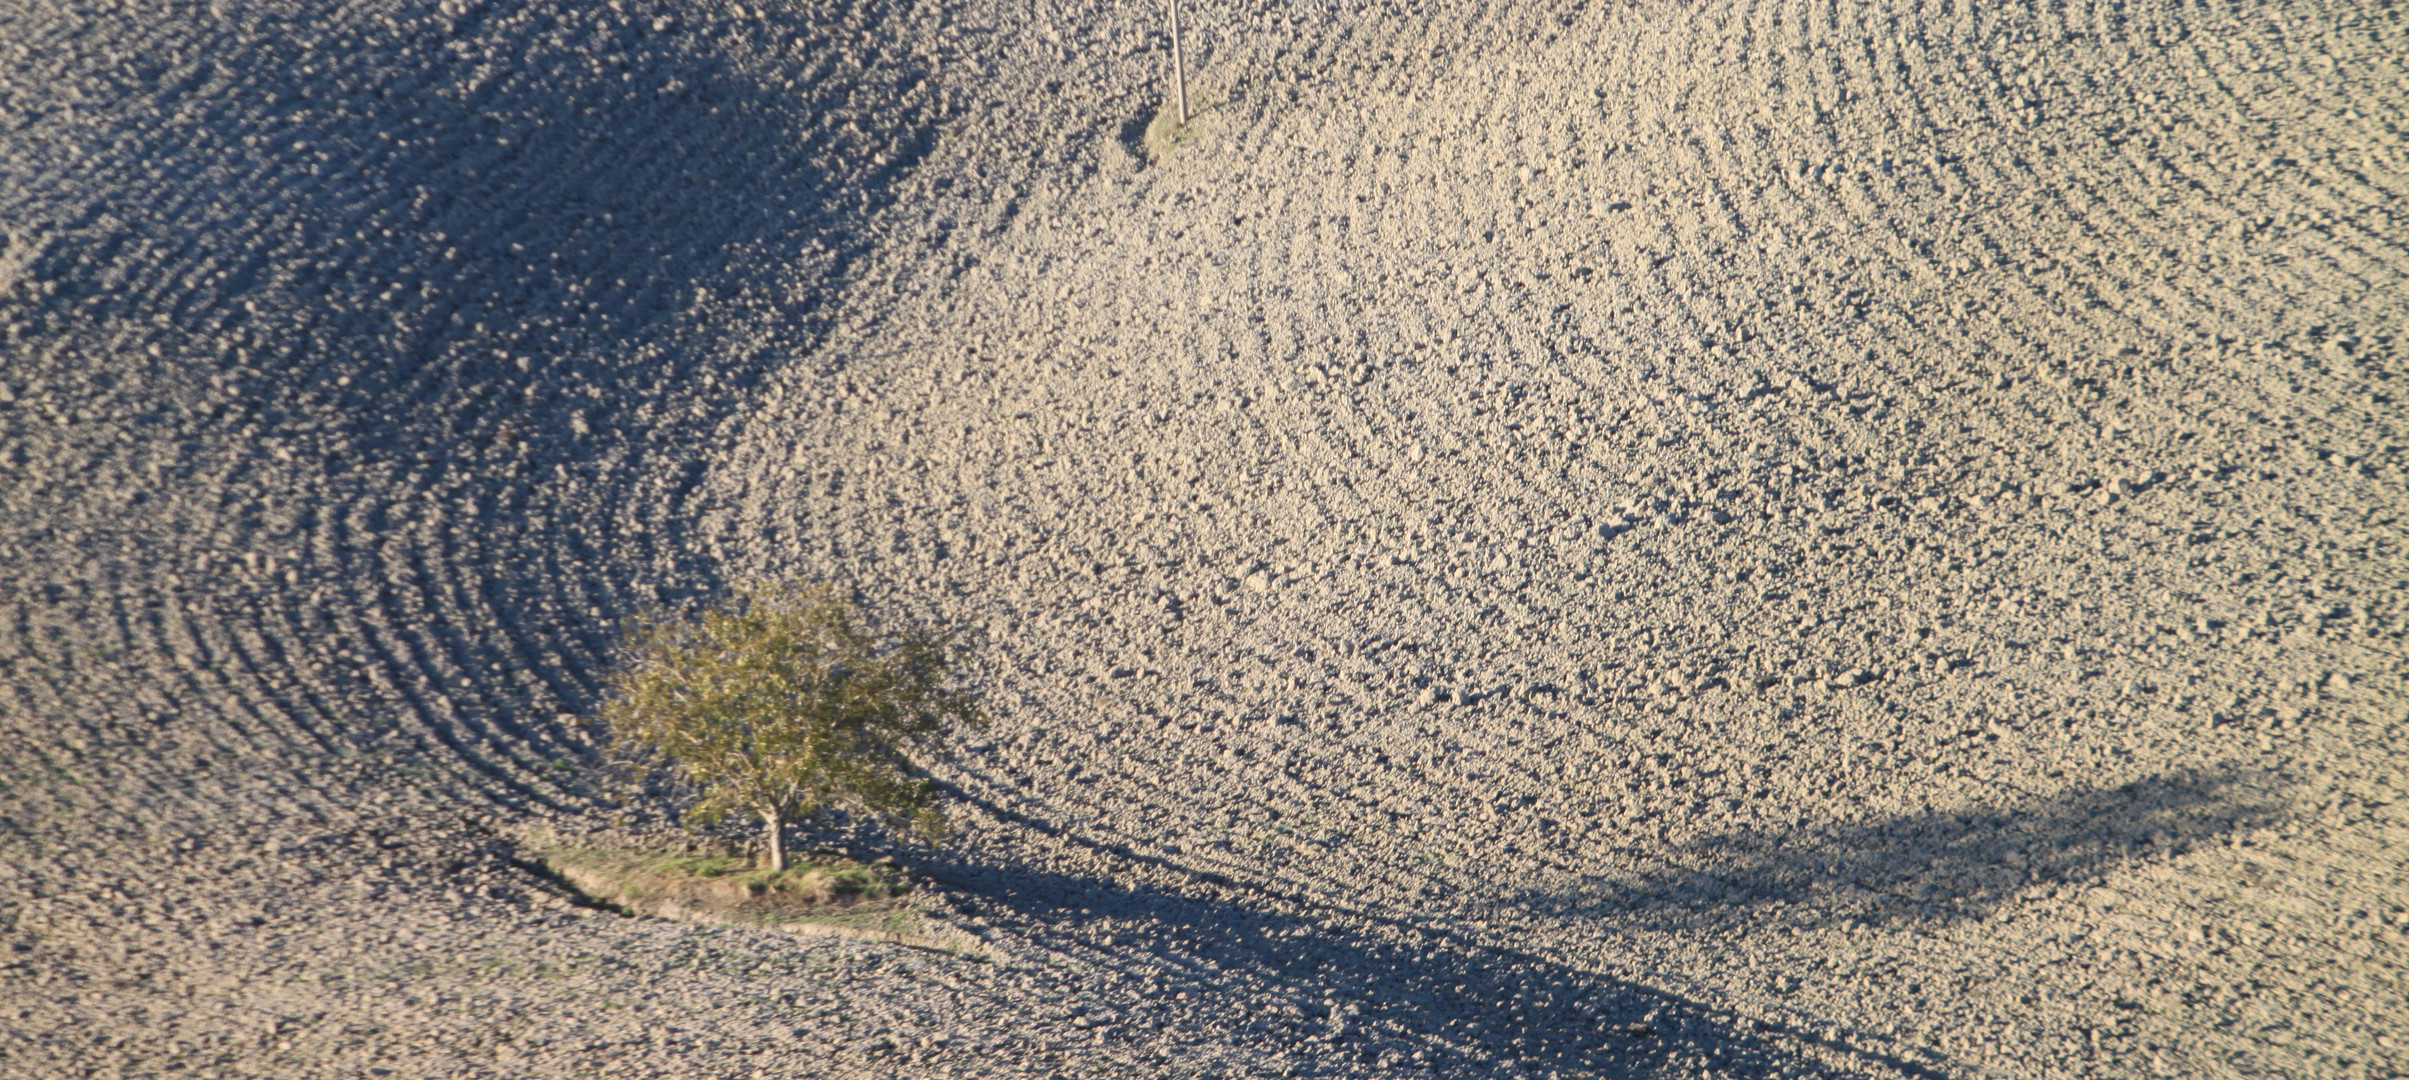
1539,540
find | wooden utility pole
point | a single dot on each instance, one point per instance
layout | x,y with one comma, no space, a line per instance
1179,66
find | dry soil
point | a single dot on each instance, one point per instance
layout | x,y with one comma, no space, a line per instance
1536,540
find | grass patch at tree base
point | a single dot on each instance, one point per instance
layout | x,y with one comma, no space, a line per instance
1166,134
832,897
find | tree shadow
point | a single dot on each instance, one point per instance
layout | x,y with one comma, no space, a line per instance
1403,997
1343,994
1937,866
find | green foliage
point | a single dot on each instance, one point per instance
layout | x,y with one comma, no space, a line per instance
783,705
830,896
729,883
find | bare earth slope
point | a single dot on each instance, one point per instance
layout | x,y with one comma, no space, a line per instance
1717,540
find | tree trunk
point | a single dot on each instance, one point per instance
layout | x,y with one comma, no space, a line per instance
774,823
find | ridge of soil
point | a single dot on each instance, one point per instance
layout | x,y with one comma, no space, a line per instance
1722,539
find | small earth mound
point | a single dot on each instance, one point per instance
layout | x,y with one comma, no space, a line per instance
821,896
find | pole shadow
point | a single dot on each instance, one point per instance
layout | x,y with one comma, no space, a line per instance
1938,866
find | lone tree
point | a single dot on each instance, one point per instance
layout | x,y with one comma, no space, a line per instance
782,705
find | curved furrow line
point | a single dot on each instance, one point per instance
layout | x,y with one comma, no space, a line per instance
1820,147
312,786
456,670
390,663
2229,102
208,722
1757,207
374,711
237,691
1751,49
2122,283
511,709
1654,259
436,690
38,699
271,657
585,601
194,661
498,707
2204,304
1939,266
1747,188
2091,203
1921,260
312,707
141,628
569,675
2386,253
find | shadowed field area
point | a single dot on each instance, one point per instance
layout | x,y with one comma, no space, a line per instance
1940,866
1710,540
